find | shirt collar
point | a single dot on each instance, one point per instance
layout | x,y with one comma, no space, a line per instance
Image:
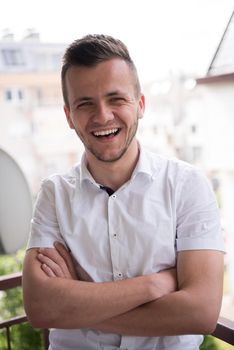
84,172
145,165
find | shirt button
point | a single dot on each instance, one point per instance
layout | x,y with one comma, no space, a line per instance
115,235
118,276
113,196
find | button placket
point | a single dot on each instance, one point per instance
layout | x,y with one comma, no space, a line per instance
113,238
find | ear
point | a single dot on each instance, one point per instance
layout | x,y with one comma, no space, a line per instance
68,116
141,106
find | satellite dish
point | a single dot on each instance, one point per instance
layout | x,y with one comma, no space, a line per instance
15,205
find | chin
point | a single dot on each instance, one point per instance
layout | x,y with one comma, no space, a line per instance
110,158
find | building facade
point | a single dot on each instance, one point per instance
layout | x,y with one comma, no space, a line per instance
33,127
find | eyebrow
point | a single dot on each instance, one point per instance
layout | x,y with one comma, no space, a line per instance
114,93
87,98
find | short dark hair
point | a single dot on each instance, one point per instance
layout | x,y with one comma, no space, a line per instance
91,50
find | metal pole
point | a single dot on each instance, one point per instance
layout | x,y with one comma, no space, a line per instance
8,336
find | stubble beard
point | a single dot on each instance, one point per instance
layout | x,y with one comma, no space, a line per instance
100,157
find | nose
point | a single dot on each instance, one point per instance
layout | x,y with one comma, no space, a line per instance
103,114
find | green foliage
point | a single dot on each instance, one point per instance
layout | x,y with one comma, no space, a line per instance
209,343
11,263
23,336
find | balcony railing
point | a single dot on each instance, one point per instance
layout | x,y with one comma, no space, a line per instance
8,282
223,331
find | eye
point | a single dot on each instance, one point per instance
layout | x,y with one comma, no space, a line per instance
117,99
84,104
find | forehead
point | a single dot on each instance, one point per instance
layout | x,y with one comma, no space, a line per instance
114,74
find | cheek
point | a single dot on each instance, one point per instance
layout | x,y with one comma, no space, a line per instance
128,114
77,122
83,125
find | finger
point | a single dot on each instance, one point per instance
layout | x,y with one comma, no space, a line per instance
63,251
58,272
50,253
55,256
47,270
67,265
66,255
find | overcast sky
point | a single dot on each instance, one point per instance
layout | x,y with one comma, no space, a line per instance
162,35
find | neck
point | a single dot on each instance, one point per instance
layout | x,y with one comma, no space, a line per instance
114,174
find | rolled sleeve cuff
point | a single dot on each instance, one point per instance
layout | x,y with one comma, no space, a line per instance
199,243
43,236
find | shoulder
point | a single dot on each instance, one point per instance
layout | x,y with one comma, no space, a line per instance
170,166
189,177
177,174
58,181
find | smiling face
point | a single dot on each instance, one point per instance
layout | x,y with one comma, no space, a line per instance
104,109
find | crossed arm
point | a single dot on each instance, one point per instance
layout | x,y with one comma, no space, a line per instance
149,305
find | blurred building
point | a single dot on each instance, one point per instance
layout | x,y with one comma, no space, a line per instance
33,127
192,118
218,90
166,128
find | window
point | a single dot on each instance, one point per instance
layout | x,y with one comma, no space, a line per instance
194,129
13,57
8,95
20,95
13,95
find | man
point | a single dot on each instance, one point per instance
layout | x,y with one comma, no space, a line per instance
144,264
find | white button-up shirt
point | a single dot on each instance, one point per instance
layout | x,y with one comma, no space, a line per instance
167,206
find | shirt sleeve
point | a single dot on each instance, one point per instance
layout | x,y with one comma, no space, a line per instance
44,225
198,218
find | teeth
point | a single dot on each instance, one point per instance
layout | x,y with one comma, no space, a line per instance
105,132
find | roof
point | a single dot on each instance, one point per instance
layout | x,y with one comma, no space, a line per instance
222,64
30,56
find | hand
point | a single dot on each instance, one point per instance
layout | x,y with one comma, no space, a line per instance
164,282
57,262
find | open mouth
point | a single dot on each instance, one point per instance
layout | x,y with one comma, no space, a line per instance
106,133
